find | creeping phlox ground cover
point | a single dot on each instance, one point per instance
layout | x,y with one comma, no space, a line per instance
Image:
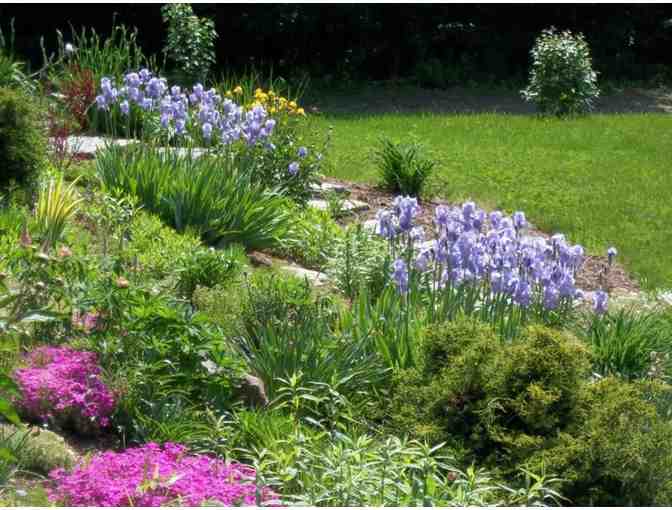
484,264
62,385
153,475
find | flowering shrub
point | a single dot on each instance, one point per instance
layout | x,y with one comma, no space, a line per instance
482,265
562,79
190,40
64,386
152,475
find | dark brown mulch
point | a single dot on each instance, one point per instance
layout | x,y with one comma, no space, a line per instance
85,445
589,278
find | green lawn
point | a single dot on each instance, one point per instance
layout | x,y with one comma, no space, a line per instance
602,180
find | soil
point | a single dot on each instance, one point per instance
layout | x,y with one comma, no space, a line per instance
589,278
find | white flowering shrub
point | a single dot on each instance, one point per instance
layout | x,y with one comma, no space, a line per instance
562,79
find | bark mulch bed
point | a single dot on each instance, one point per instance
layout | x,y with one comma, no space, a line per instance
589,278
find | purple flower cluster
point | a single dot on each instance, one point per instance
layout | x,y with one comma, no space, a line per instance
472,248
202,110
63,385
152,475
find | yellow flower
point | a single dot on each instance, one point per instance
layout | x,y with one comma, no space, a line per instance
273,110
238,90
301,111
292,104
228,93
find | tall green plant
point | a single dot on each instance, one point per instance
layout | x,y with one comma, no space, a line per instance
403,168
206,194
190,44
628,342
562,79
56,205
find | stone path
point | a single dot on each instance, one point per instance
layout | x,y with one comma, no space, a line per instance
90,145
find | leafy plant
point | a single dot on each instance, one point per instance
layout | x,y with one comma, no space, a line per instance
403,168
56,205
359,261
12,73
206,268
624,342
22,139
313,239
207,194
190,44
562,79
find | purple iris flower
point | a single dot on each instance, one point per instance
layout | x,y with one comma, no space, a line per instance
600,302
400,275
293,168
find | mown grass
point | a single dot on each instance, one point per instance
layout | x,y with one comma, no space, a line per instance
602,180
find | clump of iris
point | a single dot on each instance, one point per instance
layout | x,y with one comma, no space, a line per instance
489,254
182,111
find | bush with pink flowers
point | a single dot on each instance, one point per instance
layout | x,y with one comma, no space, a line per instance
64,387
152,475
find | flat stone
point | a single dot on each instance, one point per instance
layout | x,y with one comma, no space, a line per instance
370,225
349,206
322,189
314,277
666,297
89,145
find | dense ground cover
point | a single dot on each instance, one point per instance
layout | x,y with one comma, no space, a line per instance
602,179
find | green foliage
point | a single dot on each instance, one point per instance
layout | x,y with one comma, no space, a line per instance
491,398
625,343
190,44
271,168
618,450
22,139
286,332
218,201
359,261
206,268
156,246
361,470
37,450
112,56
392,330
12,73
56,204
314,234
562,80
403,168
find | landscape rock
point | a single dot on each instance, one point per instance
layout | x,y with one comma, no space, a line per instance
349,206
252,392
314,277
322,189
259,259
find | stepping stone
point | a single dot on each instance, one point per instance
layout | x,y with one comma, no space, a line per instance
321,190
89,145
314,277
666,297
370,225
349,206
